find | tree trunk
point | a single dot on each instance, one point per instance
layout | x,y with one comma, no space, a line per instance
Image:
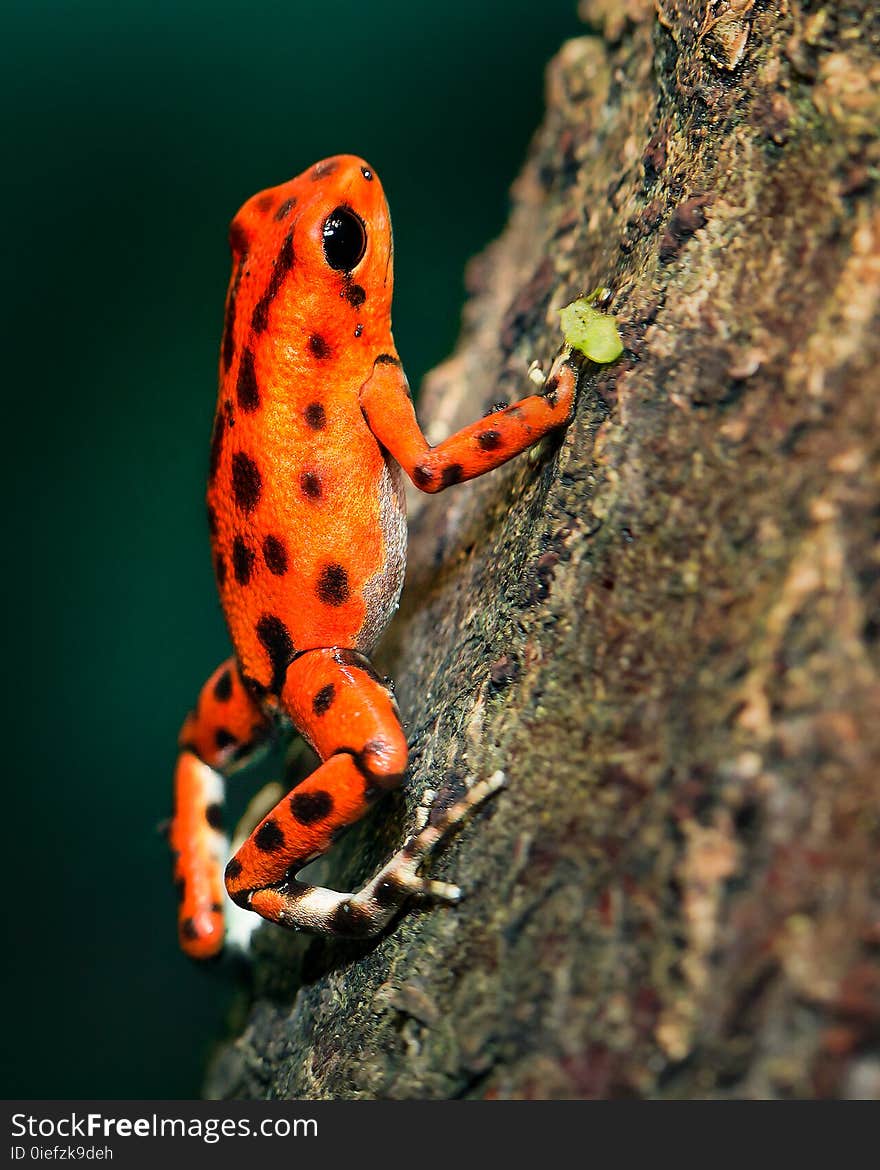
663,627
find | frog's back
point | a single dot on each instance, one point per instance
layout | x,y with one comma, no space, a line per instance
306,514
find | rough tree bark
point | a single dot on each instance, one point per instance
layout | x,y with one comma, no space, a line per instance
664,627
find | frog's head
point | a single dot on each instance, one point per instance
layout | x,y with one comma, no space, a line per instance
316,252
345,230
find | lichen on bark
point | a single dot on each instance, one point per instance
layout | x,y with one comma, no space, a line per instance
663,626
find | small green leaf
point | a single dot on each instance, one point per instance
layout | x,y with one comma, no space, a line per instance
593,333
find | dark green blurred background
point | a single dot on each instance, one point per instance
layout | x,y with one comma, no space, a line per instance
134,131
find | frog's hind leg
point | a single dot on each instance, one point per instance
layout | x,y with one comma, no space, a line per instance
349,716
222,733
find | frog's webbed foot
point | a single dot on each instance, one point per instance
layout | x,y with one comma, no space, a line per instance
399,879
369,910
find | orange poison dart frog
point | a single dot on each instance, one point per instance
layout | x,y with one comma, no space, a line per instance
306,511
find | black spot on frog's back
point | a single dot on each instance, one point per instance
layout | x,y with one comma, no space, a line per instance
333,586
315,416
243,559
275,639
246,390
275,555
247,483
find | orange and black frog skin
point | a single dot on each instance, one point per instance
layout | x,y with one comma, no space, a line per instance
314,424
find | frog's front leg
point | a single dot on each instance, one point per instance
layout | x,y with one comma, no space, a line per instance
224,731
474,450
340,706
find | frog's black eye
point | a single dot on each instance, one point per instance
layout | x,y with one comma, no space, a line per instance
345,239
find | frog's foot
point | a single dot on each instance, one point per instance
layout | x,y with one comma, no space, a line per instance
369,910
399,878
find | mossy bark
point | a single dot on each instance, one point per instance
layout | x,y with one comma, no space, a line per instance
662,626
